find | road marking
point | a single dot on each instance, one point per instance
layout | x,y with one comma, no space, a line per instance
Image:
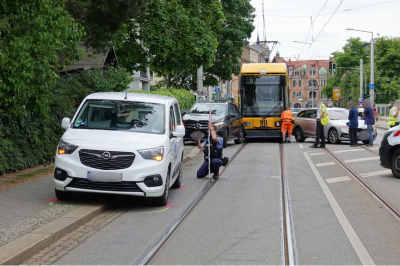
361,159
319,153
383,172
337,179
374,148
355,241
301,146
341,151
324,164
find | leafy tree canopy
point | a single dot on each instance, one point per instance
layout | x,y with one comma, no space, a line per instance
103,18
33,34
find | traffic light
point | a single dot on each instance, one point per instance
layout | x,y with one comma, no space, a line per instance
334,67
349,98
330,67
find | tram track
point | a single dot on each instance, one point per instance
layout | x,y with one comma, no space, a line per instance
386,205
365,148
157,246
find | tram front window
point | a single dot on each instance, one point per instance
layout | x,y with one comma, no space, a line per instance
263,96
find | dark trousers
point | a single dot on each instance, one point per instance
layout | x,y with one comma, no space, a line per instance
353,136
319,134
214,168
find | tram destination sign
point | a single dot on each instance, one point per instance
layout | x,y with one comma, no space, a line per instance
262,80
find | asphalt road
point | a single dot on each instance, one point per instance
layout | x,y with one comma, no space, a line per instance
239,221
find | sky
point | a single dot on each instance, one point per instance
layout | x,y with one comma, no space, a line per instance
287,21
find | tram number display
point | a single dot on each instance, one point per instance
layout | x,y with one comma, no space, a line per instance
272,80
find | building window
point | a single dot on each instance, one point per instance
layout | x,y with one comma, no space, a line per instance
299,94
294,95
324,82
299,83
312,94
294,83
296,74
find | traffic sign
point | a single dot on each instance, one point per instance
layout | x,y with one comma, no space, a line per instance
337,93
217,89
371,92
340,100
371,86
360,100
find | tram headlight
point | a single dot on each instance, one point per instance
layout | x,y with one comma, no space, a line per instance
247,124
278,123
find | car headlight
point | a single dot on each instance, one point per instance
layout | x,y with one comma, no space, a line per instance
344,127
153,154
65,147
373,127
219,123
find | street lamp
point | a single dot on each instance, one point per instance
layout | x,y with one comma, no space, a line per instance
372,59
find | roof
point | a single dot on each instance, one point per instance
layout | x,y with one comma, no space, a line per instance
311,63
140,97
272,68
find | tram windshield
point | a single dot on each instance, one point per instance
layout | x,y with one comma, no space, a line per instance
263,96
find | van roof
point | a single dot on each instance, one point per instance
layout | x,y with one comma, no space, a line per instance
137,97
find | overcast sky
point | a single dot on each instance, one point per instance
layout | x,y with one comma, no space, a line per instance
295,24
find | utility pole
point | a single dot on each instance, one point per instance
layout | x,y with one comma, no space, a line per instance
372,69
200,81
361,78
312,87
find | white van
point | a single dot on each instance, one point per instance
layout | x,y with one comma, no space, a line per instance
121,143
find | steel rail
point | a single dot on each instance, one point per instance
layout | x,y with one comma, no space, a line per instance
389,208
289,243
154,249
365,148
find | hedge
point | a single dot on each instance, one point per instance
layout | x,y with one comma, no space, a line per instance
184,97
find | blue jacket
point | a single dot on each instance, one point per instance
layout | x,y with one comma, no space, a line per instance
353,117
369,116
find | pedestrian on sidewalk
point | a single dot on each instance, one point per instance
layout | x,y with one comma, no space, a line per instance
322,120
369,119
287,124
353,123
394,117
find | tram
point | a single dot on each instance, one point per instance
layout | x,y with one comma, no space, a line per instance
263,96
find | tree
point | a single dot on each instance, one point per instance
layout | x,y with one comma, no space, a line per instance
177,36
103,18
232,36
33,34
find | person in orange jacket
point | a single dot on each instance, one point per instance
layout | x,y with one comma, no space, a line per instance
287,124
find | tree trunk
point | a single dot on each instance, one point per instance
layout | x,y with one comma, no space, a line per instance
168,81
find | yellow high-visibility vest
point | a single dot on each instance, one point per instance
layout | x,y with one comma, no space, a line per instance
392,119
325,119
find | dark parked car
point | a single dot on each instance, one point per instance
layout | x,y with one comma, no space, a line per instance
225,115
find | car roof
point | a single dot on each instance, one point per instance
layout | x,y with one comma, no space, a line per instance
137,97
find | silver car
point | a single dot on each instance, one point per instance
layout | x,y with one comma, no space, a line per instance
335,131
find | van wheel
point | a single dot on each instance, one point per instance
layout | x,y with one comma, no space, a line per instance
225,138
163,200
239,140
178,181
395,163
298,134
63,195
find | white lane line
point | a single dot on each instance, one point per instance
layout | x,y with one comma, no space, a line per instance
383,172
301,146
355,241
324,164
341,151
337,179
361,159
374,148
319,153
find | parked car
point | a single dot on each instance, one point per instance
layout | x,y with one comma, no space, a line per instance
389,152
295,110
225,115
335,131
117,143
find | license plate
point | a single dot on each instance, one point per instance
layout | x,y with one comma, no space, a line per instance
104,177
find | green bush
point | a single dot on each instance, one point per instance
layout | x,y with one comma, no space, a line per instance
184,97
31,139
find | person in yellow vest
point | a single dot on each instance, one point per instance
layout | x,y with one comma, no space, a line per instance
287,125
322,120
394,118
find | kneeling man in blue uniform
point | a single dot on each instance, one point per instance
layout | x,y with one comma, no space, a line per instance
215,153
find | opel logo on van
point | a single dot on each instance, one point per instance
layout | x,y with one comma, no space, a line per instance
106,155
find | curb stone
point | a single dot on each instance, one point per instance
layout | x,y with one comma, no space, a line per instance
23,248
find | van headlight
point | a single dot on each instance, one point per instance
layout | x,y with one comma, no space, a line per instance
152,154
65,147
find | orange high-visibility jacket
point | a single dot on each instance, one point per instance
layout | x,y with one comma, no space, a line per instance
287,115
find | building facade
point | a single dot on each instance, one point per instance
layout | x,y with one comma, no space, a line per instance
306,79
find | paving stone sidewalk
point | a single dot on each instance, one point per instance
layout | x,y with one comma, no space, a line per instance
28,206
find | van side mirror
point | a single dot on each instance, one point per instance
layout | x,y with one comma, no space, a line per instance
179,131
183,113
66,122
232,115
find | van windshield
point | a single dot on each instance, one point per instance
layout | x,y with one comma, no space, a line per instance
121,115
